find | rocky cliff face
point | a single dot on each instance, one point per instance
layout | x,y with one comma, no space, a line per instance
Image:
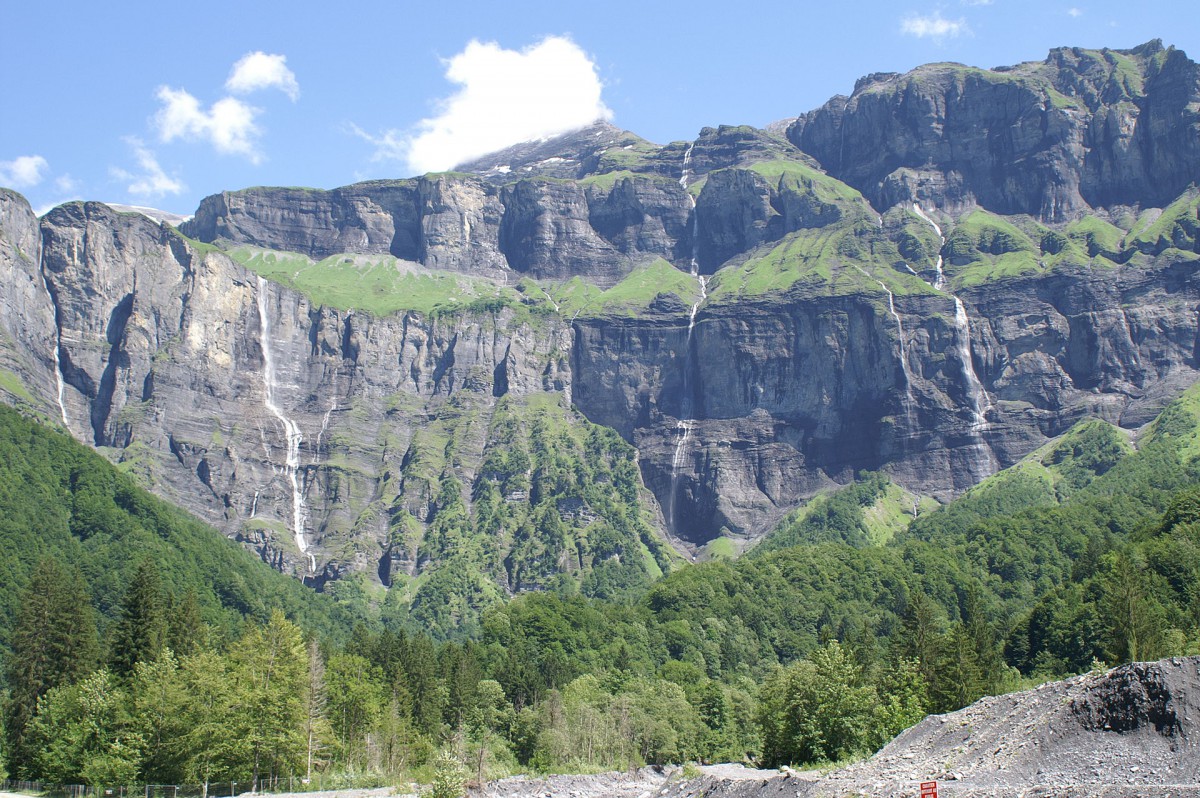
791,393
543,228
163,359
807,332
1083,129
28,338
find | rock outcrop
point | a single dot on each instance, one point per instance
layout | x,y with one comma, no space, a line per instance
546,229
1083,129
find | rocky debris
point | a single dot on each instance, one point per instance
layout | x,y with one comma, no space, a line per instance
1133,731
640,783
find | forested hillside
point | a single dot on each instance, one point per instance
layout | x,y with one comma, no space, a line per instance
844,628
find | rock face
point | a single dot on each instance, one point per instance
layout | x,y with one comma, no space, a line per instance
28,339
812,332
460,223
1082,129
163,360
793,392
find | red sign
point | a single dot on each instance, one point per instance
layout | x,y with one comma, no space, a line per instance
929,789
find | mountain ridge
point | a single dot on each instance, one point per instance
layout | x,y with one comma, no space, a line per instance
754,327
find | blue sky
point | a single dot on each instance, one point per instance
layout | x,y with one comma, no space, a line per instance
161,104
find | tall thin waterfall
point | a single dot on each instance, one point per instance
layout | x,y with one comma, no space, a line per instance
980,403
908,379
940,280
290,428
685,426
58,374
976,394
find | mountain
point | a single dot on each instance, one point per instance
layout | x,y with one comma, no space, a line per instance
575,358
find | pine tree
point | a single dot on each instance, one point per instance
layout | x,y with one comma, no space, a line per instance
141,632
920,633
186,631
1134,618
54,643
958,678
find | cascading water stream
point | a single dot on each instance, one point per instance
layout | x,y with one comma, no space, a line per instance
684,427
58,374
980,403
940,280
291,430
977,396
333,406
908,380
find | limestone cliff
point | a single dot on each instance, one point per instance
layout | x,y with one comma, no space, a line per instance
1083,129
381,378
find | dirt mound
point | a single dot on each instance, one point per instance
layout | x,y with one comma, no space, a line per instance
1133,731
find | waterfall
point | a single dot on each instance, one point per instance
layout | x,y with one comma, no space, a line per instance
685,178
940,280
291,430
58,374
685,426
686,175
333,406
980,403
908,380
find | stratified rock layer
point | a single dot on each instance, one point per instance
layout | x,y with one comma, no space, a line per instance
820,335
1082,129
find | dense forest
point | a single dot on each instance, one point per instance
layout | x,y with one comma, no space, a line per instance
140,646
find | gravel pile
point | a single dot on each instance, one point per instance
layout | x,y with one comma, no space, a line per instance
641,783
1114,733
1133,731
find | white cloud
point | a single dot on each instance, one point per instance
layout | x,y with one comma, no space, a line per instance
228,125
66,184
1075,12
392,145
934,26
23,172
506,97
258,70
152,181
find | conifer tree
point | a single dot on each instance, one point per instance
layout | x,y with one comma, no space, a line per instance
141,632
54,643
185,628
